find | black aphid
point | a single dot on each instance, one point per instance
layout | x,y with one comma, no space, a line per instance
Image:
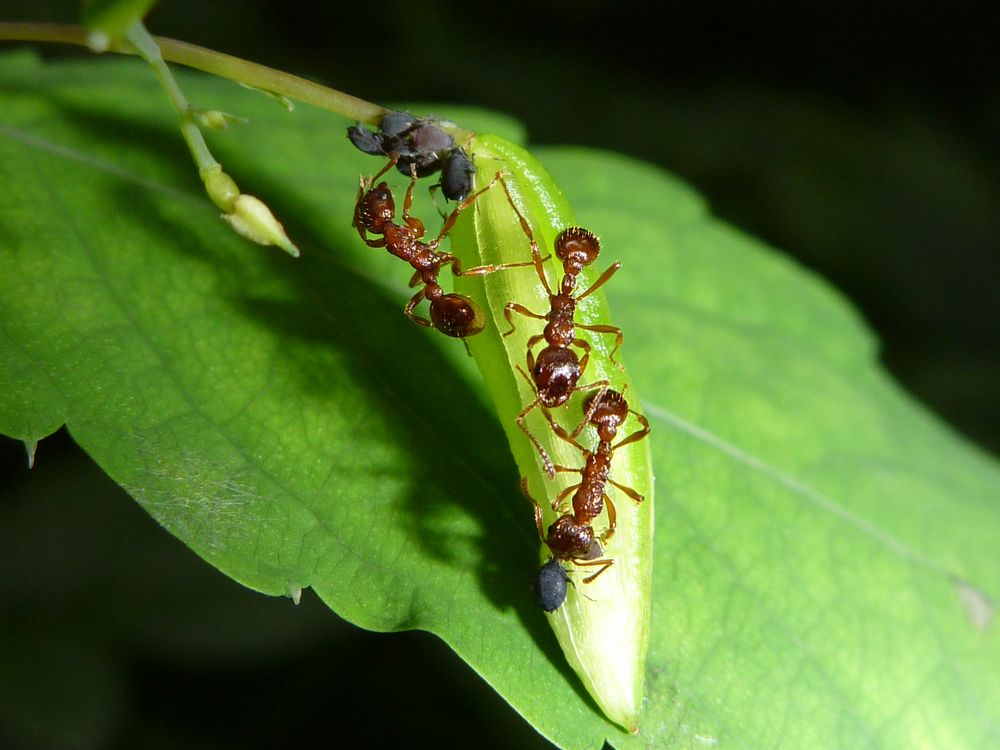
419,143
551,585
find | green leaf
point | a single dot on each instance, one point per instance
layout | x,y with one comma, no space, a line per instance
826,558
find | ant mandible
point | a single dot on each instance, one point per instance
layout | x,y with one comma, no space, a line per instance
557,369
453,314
606,410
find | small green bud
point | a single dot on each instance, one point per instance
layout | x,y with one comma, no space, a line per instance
221,188
215,119
251,218
98,41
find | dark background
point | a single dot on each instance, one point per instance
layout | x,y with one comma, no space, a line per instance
861,138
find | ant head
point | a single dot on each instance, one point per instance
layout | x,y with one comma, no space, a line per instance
571,540
577,246
594,551
376,208
456,316
607,410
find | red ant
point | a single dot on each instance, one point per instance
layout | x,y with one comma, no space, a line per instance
453,314
571,536
557,369
607,410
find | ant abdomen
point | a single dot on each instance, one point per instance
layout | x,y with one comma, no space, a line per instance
555,374
457,316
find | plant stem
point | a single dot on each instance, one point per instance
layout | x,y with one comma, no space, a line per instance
216,63
150,52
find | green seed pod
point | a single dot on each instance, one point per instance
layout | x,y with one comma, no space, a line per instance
603,626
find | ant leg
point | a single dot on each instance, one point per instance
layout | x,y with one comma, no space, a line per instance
523,425
408,310
525,226
367,185
589,414
568,470
612,520
603,384
434,200
602,280
380,242
513,307
415,279
619,339
538,508
586,353
638,434
525,375
453,216
531,366
565,492
605,564
456,266
536,254
411,221
569,437
530,359
539,524
632,494
531,344
536,258
356,222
